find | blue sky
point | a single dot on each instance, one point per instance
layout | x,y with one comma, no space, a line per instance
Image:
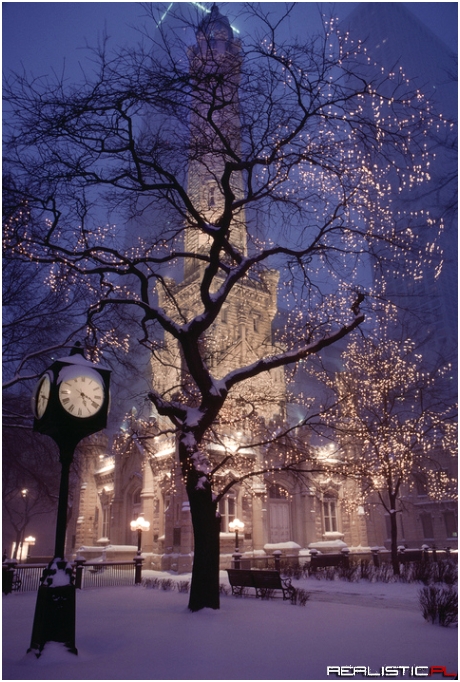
46,35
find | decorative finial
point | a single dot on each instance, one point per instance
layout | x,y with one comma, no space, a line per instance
77,349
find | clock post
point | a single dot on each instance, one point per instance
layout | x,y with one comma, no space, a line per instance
70,402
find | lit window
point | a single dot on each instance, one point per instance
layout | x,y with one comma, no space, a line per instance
227,511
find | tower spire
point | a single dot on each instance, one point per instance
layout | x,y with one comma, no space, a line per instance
216,60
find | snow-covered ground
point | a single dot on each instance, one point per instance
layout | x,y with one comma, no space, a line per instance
135,633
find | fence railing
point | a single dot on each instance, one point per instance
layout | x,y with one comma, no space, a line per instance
284,562
26,577
105,574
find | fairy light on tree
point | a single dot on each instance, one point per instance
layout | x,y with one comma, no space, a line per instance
261,170
393,422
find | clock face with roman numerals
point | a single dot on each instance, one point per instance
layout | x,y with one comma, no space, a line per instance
82,396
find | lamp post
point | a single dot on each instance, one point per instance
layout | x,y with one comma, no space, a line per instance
235,526
139,525
70,402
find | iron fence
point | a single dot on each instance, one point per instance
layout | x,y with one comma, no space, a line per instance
21,577
26,577
299,564
105,574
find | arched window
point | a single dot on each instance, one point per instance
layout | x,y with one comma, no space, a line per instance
136,506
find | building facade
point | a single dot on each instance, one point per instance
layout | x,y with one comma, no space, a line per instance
138,472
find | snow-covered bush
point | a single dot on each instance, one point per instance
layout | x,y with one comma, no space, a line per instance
295,571
445,572
417,571
350,573
439,604
152,583
300,597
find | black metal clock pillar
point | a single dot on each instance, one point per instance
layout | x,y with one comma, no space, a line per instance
66,458
71,401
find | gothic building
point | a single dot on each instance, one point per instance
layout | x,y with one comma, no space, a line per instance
138,472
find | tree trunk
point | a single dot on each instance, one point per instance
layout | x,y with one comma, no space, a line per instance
394,535
204,589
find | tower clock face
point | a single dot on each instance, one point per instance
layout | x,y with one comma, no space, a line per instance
42,396
82,396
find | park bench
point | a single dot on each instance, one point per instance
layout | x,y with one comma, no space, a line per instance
262,581
325,560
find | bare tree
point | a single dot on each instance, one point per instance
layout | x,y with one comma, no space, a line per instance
237,165
29,480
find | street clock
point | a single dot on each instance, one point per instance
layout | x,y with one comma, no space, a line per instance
71,399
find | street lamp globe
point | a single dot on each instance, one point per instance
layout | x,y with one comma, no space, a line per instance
236,526
139,525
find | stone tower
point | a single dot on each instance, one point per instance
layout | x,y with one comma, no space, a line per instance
242,333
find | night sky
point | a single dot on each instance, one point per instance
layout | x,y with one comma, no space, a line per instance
45,35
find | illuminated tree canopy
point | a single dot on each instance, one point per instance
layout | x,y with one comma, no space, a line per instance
394,421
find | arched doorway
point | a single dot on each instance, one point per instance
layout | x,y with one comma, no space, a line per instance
279,517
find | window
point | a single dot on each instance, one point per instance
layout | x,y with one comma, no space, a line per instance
227,510
211,197
105,521
427,525
330,514
450,522
136,506
421,484
176,537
